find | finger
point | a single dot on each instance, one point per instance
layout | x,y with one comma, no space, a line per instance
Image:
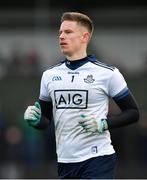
83,116
33,113
90,122
37,105
84,120
88,126
82,125
30,118
34,108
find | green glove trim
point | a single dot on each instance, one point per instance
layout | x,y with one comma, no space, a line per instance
37,116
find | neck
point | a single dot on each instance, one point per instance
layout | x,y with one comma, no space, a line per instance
76,56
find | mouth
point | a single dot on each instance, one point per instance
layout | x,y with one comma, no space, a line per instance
63,44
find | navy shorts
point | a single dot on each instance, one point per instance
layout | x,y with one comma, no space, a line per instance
102,167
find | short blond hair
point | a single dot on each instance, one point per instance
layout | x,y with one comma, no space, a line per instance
80,18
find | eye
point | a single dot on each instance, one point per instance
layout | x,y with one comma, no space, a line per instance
68,31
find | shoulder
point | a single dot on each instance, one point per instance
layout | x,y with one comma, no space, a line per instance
104,65
51,70
54,67
100,64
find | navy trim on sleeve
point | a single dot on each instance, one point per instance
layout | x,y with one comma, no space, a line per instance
122,94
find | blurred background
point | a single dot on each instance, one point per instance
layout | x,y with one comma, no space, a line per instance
29,45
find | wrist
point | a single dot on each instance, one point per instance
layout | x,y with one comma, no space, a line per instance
34,122
102,125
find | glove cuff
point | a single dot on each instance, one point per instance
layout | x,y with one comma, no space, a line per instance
32,123
103,126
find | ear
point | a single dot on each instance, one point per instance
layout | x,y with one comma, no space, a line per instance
86,37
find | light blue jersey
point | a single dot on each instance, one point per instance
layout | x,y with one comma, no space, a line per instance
76,88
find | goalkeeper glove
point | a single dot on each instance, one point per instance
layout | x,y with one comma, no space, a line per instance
33,114
92,124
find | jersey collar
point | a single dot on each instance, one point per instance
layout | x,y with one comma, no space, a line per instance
73,65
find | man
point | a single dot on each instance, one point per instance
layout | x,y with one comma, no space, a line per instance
77,92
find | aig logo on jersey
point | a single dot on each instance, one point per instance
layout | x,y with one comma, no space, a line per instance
71,99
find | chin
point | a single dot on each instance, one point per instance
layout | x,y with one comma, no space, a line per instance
65,52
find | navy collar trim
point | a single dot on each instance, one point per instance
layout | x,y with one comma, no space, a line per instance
73,65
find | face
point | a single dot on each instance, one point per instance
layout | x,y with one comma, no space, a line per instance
71,38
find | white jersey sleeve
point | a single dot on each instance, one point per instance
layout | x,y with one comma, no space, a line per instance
117,83
44,94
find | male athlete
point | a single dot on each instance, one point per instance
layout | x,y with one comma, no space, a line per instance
76,92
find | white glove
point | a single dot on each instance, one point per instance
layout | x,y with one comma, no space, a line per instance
33,114
93,124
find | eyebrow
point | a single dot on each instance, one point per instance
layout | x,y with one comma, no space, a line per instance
65,30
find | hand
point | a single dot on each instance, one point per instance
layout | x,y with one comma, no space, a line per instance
33,114
93,124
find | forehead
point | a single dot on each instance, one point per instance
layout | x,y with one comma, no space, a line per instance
69,25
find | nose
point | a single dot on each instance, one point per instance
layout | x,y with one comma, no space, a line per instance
61,36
